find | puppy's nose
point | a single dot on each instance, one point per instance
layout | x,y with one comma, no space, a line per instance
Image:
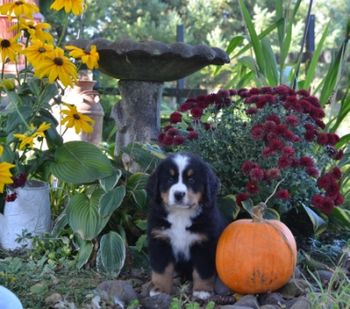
179,195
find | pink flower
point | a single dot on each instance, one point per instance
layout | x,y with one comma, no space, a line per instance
256,174
175,117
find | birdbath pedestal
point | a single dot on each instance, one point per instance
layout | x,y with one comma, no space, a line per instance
142,68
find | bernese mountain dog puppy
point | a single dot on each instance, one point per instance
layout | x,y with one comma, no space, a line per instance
184,224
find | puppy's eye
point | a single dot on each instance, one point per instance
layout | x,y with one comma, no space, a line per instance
171,179
190,180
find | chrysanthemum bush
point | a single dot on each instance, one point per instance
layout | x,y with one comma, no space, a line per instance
43,69
255,138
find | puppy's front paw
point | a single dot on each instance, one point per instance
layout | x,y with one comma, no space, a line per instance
201,294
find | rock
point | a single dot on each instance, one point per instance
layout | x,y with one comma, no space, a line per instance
301,303
294,288
325,276
274,298
53,299
220,288
119,292
249,301
270,307
160,301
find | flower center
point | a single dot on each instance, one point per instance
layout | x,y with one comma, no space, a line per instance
41,50
58,61
76,116
19,2
5,43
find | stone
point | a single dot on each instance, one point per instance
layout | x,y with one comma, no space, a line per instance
270,307
294,288
220,288
53,299
116,291
325,276
249,301
274,298
301,303
160,301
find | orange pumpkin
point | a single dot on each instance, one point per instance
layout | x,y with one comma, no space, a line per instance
256,255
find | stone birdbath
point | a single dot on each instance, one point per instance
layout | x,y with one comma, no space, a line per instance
142,68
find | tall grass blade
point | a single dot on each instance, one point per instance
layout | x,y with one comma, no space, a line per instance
270,62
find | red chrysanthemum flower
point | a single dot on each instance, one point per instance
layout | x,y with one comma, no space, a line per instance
247,166
172,131
312,171
253,91
303,92
258,132
272,173
306,161
292,120
282,194
251,111
178,140
175,117
283,90
269,98
336,172
252,187
280,129
192,135
320,123
275,144
167,140
266,90
325,181
288,151
333,139
339,199
240,197
339,155
332,189
196,112
322,138
256,174
267,151
284,162
252,99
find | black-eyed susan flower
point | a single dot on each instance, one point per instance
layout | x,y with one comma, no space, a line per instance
19,8
36,52
36,30
9,48
56,66
26,141
75,6
5,175
90,58
73,118
42,128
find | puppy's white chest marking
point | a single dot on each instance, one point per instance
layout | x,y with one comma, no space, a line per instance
180,238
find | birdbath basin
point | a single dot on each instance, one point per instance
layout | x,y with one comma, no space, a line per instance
142,68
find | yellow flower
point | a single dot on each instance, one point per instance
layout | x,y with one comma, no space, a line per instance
90,58
36,52
19,8
36,30
5,175
27,141
1,150
75,6
8,84
57,66
9,48
77,120
42,128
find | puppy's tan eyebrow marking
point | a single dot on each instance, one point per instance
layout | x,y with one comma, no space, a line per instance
190,172
172,172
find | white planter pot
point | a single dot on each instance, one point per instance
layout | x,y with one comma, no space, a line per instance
30,212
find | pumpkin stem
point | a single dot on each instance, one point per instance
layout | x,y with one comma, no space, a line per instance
274,191
258,212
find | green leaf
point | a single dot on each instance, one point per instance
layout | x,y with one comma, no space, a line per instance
111,254
271,214
60,223
141,242
344,140
248,206
236,41
108,183
340,217
270,62
111,200
318,223
84,253
83,217
310,74
253,37
137,181
140,198
228,206
80,162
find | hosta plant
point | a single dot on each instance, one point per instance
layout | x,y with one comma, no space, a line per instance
257,137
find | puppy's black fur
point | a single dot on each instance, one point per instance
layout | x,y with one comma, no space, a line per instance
184,223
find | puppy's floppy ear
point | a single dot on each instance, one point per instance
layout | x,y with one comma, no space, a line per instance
152,185
212,185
